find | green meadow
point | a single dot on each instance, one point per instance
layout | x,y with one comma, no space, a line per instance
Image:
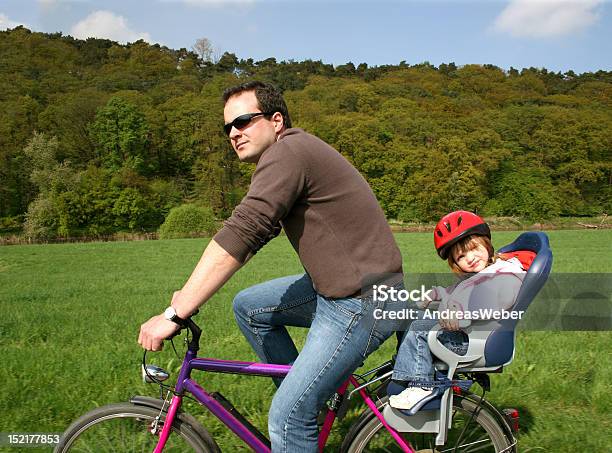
70,316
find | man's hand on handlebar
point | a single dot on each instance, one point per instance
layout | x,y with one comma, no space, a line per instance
155,331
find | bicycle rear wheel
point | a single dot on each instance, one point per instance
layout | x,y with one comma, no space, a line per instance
481,433
126,427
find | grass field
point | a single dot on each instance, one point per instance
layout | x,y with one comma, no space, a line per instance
71,314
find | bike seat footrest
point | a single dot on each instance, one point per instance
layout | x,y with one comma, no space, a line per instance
433,401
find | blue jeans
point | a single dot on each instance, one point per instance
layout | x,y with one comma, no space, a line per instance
342,333
414,361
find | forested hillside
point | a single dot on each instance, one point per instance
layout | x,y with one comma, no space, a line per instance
97,137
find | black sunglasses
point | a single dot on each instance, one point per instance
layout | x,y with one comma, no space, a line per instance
243,121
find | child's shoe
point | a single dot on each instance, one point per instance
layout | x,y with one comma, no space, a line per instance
409,398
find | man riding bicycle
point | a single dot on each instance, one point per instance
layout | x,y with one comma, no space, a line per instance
335,224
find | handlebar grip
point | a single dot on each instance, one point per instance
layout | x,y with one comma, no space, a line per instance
187,322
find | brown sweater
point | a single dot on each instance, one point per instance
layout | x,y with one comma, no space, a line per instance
325,206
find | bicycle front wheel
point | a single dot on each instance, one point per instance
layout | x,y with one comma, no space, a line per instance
473,429
129,428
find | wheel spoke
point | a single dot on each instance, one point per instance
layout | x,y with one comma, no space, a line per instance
468,433
126,428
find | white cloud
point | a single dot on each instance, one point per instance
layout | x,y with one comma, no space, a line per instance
6,23
105,24
546,18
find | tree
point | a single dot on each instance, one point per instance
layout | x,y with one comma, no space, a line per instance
130,131
204,48
120,130
17,122
41,153
68,118
527,192
186,221
50,179
228,62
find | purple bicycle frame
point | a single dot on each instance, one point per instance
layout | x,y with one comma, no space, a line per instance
185,383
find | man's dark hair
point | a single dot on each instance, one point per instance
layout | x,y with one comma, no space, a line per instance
269,98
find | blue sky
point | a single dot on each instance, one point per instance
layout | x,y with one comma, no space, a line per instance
556,34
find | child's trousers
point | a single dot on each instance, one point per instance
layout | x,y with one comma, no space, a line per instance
414,362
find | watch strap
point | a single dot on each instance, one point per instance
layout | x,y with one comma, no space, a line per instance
170,315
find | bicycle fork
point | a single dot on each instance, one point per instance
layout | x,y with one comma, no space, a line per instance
175,404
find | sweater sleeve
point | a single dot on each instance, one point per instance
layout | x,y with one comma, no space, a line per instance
497,293
278,181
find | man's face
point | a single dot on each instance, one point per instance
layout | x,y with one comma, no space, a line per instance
252,140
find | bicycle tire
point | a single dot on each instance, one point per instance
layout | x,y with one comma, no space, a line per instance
368,434
126,427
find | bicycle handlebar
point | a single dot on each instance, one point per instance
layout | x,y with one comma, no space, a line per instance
196,332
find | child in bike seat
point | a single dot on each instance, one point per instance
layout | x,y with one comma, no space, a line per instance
486,281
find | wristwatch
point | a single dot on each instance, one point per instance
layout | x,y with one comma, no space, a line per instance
170,315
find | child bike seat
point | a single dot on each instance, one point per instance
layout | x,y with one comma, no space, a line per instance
491,342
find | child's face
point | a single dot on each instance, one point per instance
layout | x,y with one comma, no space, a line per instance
474,259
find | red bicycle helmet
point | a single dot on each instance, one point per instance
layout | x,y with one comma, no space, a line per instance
455,226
